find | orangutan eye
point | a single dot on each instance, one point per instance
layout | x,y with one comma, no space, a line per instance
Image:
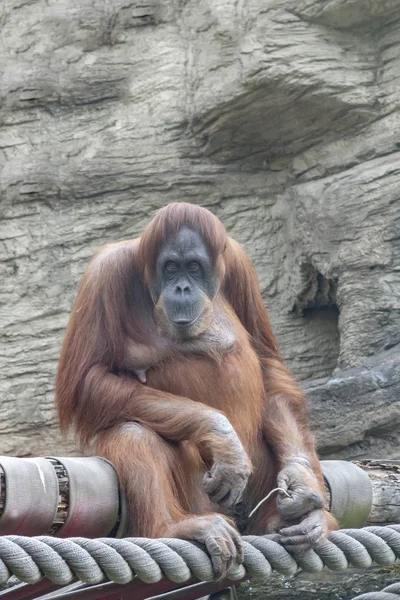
194,267
171,267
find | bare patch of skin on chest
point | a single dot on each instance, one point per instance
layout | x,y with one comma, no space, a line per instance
218,339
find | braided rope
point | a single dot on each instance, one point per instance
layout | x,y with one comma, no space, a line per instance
391,592
121,560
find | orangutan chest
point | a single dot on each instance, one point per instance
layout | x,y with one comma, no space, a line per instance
233,378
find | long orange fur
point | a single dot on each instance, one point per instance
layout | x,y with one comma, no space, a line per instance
155,434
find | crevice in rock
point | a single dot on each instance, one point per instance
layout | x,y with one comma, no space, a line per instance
317,290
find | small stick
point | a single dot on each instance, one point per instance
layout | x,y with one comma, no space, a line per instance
278,489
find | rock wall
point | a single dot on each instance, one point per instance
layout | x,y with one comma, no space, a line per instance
281,116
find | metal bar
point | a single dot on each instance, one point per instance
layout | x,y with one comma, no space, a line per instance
192,592
137,590
77,585
26,591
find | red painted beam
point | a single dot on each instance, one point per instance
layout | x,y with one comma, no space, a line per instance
136,590
24,591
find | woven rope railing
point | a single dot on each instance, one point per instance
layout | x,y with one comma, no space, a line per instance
391,592
121,560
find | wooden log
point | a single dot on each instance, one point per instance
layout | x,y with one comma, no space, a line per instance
384,477
63,496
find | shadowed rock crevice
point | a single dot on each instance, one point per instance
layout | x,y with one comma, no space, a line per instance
318,291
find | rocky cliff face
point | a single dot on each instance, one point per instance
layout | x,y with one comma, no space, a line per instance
280,116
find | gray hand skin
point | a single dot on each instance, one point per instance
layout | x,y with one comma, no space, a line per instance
226,481
294,479
305,535
303,523
222,541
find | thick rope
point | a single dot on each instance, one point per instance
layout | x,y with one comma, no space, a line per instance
121,560
391,592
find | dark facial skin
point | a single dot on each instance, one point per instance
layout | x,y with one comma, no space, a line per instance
185,279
